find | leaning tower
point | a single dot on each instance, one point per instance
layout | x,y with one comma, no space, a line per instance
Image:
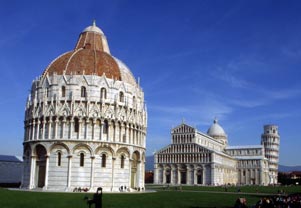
271,140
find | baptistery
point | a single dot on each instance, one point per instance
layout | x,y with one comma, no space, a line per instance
85,122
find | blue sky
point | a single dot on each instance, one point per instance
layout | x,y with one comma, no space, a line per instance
238,61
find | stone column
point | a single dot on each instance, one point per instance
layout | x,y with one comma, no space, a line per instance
113,167
156,174
138,173
43,129
172,175
50,128
212,174
34,130
32,172
242,176
30,131
92,173
38,129
110,131
121,132
126,134
130,172
133,135
86,128
79,128
164,174
204,175
101,130
179,175
46,172
56,127
195,176
71,128
69,171
93,129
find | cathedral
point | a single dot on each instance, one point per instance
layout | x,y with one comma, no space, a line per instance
85,122
196,158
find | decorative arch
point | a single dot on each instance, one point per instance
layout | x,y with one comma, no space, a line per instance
103,93
41,157
82,147
123,150
99,150
59,146
136,155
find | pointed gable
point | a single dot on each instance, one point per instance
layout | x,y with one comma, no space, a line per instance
183,128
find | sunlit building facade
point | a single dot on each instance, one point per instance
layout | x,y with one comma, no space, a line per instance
196,158
85,122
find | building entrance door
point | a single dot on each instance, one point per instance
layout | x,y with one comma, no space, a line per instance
134,173
200,178
183,177
40,166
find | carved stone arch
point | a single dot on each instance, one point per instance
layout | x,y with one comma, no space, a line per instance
50,111
136,155
94,113
122,87
100,150
59,145
109,113
80,111
65,110
123,150
45,82
122,115
39,145
83,147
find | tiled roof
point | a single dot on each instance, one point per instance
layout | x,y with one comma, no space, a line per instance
91,56
244,147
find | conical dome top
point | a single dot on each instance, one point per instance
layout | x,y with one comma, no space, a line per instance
93,28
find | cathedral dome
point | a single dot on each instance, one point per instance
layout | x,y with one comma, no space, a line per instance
216,130
91,56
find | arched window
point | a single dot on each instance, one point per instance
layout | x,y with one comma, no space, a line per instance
63,91
47,92
105,127
103,93
76,125
81,159
134,100
121,97
59,159
122,161
103,160
83,92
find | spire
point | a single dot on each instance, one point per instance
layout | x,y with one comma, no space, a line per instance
94,23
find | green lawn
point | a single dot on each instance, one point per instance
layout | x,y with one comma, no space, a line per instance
189,197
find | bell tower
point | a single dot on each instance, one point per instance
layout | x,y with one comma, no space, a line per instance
270,139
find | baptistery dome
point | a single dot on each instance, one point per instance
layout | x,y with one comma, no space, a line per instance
91,56
85,122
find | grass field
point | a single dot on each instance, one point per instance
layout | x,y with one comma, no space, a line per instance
190,196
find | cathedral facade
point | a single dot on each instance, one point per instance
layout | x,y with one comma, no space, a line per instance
85,122
196,158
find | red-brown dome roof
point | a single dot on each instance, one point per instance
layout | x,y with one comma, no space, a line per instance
91,56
